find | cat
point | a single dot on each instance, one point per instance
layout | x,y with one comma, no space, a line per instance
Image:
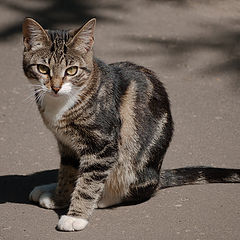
112,123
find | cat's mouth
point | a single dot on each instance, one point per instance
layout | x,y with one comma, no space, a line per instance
56,95
53,94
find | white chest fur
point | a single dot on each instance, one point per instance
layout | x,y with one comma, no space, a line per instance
54,107
53,110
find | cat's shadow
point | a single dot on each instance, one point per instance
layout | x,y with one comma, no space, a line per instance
16,188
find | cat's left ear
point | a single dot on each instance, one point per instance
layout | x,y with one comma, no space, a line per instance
83,38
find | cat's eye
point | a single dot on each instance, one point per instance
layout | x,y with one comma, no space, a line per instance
71,71
43,69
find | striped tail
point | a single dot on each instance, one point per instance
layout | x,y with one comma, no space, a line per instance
197,175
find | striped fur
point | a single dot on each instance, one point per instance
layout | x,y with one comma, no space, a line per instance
112,122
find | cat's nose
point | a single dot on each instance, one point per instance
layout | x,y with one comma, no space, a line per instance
55,89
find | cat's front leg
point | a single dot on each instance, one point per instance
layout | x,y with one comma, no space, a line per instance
87,192
56,195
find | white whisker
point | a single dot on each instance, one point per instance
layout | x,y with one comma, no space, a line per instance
33,94
42,98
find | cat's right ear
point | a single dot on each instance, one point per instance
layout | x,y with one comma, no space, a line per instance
34,36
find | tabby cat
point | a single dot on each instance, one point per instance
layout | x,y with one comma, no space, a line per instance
112,122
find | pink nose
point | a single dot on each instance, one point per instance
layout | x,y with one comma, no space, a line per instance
56,89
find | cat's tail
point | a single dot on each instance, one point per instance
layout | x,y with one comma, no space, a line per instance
197,175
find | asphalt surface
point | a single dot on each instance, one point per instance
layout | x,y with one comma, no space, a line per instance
194,48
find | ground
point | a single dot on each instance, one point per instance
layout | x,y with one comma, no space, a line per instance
194,48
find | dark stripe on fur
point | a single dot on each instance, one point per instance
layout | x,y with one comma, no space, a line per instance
108,151
98,176
70,161
75,213
85,195
159,94
145,187
98,167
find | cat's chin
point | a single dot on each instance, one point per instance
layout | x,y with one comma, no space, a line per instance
56,95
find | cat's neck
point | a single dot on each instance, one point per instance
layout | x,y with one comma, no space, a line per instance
53,108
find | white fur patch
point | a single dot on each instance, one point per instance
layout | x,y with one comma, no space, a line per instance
70,224
55,106
66,88
46,200
42,194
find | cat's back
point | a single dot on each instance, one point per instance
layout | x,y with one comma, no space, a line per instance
140,85
143,106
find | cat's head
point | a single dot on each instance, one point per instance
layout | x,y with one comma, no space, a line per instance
56,62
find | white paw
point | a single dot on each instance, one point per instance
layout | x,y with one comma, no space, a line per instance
70,224
43,195
46,200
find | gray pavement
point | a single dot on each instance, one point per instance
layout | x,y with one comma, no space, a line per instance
194,46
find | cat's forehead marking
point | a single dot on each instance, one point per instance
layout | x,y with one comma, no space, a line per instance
59,39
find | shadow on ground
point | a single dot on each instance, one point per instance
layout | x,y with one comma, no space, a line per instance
53,13
217,39
181,3
16,188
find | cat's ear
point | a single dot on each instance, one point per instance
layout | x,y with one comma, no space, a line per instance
83,38
34,36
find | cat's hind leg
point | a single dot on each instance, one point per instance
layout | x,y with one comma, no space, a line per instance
119,191
109,200
117,185
145,186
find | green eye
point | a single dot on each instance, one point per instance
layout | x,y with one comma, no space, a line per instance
43,69
71,71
